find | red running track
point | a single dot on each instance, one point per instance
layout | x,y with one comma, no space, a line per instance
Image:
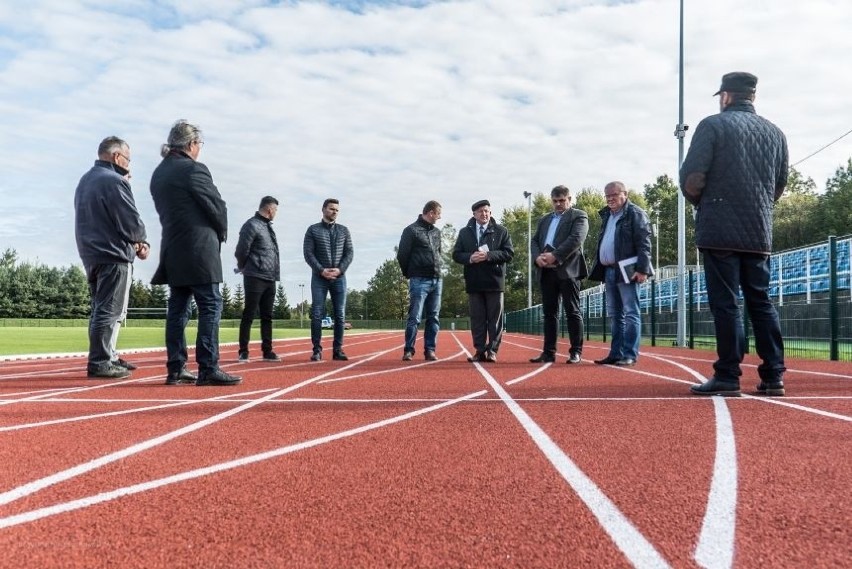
377,462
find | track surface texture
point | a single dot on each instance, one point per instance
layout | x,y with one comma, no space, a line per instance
376,462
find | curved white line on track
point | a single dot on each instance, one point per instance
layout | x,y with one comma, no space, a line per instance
42,483
715,549
48,511
638,550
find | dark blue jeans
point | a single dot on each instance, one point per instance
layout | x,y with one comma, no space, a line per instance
726,272
320,289
208,299
108,285
424,301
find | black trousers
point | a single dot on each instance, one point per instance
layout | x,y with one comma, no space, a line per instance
552,289
260,294
486,320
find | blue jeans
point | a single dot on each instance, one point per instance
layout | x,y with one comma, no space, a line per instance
208,299
320,289
725,273
109,287
622,308
425,302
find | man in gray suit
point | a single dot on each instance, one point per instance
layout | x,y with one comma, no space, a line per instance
557,248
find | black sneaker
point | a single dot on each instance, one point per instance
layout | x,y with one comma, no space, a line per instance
316,356
715,386
124,363
574,358
271,357
109,371
182,377
217,377
340,356
430,356
243,358
772,388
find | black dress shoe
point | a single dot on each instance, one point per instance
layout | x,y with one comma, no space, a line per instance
609,360
477,357
217,377
771,388
430,356
491,356
125,364
316,356
717,387
180,377
543,358
574,359
624,362
340,356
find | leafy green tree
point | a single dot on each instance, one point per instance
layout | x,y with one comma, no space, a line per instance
355,304
387,293
795,215
227,302
453,296
238,302
661,199
835,208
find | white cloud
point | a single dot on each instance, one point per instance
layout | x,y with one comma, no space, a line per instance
386,105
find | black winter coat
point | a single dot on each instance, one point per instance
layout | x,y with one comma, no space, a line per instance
734,172
490,275
419,251
257,250
194,219
632,239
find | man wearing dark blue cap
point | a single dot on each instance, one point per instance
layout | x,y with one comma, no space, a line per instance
734,172
484,247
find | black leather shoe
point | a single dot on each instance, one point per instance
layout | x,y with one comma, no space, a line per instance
109,371
316,356
217,377
714,386
407,356
339,356
624,362
491,356
543,358
180,377
609,360
573,359
477,357
430,356
771,388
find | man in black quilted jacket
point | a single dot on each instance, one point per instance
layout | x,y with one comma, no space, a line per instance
259,262
734,172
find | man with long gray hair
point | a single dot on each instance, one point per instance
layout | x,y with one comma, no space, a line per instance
195,224
110,234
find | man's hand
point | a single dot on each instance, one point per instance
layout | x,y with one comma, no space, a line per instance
478,257
330,274
142,250
546,260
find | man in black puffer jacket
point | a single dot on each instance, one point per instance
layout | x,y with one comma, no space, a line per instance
484,247
258,260
735,171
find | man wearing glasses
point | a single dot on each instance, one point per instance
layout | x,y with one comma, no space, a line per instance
195,224
557,249
625,236
110,234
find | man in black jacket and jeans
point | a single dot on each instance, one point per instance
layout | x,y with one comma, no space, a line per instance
484,247
419,257
734,172
258,260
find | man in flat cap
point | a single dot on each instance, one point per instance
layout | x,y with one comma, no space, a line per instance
484,247
734,172
557,250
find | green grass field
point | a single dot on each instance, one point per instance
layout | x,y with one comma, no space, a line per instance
50,340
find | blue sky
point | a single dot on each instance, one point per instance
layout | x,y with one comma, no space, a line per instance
385,105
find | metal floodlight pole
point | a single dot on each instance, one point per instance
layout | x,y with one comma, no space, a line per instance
680,133
528,195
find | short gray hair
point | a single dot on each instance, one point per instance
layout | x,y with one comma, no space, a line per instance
181,136
110,145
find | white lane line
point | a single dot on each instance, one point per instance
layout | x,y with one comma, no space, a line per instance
222,398
48,511
638,550
42,483
715,549
398,369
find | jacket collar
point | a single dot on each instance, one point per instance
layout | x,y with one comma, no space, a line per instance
112,166
743,106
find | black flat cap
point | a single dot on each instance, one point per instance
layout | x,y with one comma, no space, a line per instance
479,204
738,82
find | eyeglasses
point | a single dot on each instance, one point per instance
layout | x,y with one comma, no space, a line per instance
199,142
125,157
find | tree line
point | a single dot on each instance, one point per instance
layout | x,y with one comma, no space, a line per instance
801,217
